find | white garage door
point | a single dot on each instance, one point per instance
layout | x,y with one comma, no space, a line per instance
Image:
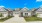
39,15
16,14
5,14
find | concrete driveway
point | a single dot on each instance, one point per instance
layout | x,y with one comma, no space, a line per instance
15,20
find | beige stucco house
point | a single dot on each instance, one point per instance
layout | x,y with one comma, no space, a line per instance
25,11
3,12
22,12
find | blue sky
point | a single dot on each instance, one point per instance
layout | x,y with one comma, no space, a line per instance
21,3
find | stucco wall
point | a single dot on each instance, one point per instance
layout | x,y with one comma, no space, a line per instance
4,14
39,14
29,14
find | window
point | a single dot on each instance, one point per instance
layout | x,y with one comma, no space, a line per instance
26,13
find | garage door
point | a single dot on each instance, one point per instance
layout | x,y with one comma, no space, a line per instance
39,15
5,14
16,14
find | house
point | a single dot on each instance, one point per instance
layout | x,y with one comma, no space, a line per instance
3,12
25,12
16,12
22,12
39,12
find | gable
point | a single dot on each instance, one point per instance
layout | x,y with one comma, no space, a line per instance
2,9
24,9
39,10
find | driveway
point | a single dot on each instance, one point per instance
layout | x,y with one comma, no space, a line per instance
15,20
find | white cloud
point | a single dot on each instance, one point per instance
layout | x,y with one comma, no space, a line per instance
38,0
1,6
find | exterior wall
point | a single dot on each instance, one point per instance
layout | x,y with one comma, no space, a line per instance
4,14
33,13
39,14
10,13
29,14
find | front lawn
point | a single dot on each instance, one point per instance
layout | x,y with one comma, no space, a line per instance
32,19
6,18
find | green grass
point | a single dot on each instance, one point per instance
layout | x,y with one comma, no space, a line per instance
6,18
32,19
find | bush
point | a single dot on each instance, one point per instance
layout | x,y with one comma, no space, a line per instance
6,18
35,15
1,15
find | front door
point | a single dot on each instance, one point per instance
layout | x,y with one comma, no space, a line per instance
21,14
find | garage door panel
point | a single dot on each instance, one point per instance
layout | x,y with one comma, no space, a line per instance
5,15
40,15
16,15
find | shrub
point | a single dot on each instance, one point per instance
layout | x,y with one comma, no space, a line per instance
35,15
1,15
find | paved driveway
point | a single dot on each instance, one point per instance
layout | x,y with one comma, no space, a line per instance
1,22
18,19
15,20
